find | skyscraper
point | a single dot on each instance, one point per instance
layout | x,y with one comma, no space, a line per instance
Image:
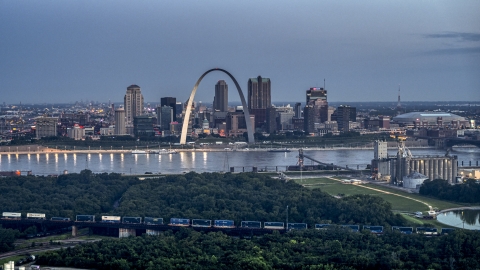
220,102
259,93
171,102
133,103
344,115
317,97
120,122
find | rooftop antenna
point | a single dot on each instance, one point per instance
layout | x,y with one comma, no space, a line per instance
399,106
324,83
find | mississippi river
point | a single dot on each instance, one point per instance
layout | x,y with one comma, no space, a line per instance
127,163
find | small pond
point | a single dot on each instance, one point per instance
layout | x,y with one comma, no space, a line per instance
466,218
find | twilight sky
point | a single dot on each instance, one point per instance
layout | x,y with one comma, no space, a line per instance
65,51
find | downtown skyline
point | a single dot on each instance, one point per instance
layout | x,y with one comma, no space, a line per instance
60,52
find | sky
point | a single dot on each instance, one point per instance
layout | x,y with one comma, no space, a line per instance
65,51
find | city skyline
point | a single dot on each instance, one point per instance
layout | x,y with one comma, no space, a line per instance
87,50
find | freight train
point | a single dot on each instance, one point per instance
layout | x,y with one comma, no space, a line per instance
224,224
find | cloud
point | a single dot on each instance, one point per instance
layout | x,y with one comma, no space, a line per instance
459,36
453,51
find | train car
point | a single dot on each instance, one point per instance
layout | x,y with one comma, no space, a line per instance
274,225
134,220
11,215
111,219
182,222
201,223
426,230
404,230
446,230
296,226
60,219
374,229
35,216
221,223
354,228
323,226
251,224
85,218
153,221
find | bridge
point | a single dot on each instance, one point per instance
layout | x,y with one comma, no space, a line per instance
450,142
302,156
122,229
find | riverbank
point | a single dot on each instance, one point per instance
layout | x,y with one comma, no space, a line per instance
227,148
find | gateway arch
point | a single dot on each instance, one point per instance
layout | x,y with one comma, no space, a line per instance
188,111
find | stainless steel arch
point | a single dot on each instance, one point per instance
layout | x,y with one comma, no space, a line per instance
183,137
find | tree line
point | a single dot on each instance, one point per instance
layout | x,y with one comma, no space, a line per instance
245,196
311,249
249,196
65,195
469,192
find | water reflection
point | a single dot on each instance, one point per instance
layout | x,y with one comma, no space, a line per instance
471,217
199,162
468,219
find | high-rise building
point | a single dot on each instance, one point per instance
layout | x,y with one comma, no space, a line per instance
308,119
46,126
220,102
172,102
259,93
120,122
164,117
315,93
133,103
317,98
143,126
271,124
344,115
298,110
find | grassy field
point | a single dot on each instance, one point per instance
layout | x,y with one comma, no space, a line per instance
13,258
405,202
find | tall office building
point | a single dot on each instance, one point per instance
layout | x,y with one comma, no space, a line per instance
172,102
46,126
164,117
120,122
259,93
317,98
271,120
298,110
220,102
133,103
315,93
308,119
344,115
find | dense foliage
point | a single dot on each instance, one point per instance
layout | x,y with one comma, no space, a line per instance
249,197
469,192
64,196
7,237
312,249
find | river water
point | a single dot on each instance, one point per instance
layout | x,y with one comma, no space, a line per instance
45,164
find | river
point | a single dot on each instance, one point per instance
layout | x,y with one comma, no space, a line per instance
45,164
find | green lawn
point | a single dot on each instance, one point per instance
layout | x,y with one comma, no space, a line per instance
13,258
433,202
423,222
398,203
